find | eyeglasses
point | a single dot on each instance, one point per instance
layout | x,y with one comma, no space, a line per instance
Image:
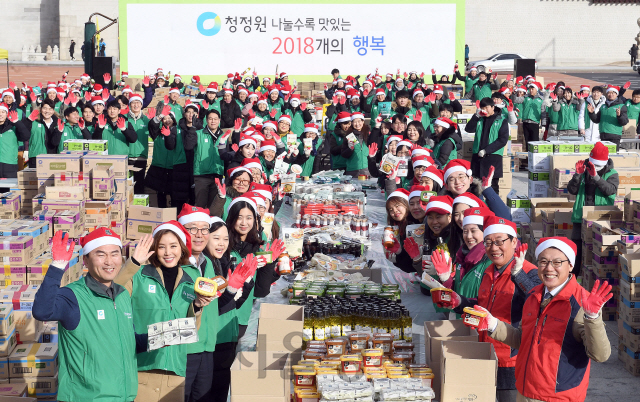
554,263
194,231
498,242
245,182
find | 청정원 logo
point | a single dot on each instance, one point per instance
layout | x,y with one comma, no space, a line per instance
217,23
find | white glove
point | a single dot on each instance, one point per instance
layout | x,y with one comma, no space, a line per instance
262,261
520,254
25,155
427,266
238,295
481,153
492,322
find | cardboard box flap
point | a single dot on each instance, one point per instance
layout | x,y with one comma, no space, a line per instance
469,360
261,374
281,312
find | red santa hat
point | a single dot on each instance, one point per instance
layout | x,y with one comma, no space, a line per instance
248,200
8,92
401,193
212,87
380,91
285,88
241,90
266,79
262,98
96,100
263,189
135,97
274,88
247,139
473,68
344,117
177,77
445,122
563,244
256,197
357,115
270,124
495,224
441,204
230,76
476,216
237,169
176,228
159,71
420,160
405,143
286,118
434,174
3,106
256,135
175,90
228,91
126,89
470,200
416,191
599,155
282,75
437,89
310,128
253,95
85,75
190,213
393,138
457,165
417,92
51,84
195,78
268,145
418,150
505,90
251,163
100,237
352,93
613,88
585,88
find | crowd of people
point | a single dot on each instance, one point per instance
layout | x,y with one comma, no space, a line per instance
214,159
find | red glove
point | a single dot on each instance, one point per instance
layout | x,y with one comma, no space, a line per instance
421,75
405,74
67,100
251,114
455,301
286,97
488,322
73,99
273,113
32,96
205,105
60,125
255,73
105,94
442,264
455,68
235,147
366,92
326,87
591,169
343,100
395,249
510,107
243,271
433,71
580,168
13,85
87,96
34,114
412,248
102,121
508,77
81,124
495,76
237,124
303,106
202,88
166,131
276,248
166,99
222,188
151,113
398,73
107,78
592,302
166,110
145,81
477,104
553,96
61,248
486,181
60,97
452,96
389,87
418,116
373,150
626,85
13,116
122,123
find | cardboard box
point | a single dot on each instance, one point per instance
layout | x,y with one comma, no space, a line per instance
469,371
6,319
98,213
100,147
629,311
141,200
44,355
4,367
629,130
562,177
280,328
630,360
630,337
8,342
151,214
538,162
102,182
520,215
630,291
518,201
15,391
506,181
70,222
28,179
17,251
538,204
601,213
42,388
136,229
540,147
28,329
436,332
48,165
118,162
263,376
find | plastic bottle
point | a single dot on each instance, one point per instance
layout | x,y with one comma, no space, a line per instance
346,319
336,322
407,325
307,327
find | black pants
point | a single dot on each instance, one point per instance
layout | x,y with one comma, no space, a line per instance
206,190
223,358
242,329
531,133
576,237
138,176
633,60
199,378
8,171
494,185
615,138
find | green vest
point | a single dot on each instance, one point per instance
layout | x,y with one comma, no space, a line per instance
481,92
225,210
208,332
426,120
568,118
553,116
337,161
116,141
358,159
278,104
470,284
215,105
633,110
37,139
600,199
9,147
240,104
307,167
140,148
609,120
297,123
532,108
493,134
161,155
267,171
470,82
69,133
244,312
177,110
206,158
95,367
454,152
151,305
374,115
179,157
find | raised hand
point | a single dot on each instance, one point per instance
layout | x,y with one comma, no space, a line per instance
13,116
166,131
61,97
412,248
343,99
618,111
303,106
237,123
365,92
102,121
478,104
592,302
486,181
32,96
166,109
591,169
405,75
590,108
418,115
67,101
243,272
60,125
442,264
122,124
433,71
326,87
276,248
389,87
61,248
398,73
452,96
373,150
141,252
509,77
81,124
554,97
13,85
73,99
34,114
151,113
378,121
272,113
235,147
87,96
205,105
510,107
255,73
105,94
145,81
107,78
494,76
626,85
580,168
488,322
519,255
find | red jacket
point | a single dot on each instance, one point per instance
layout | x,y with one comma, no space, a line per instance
552,365
504,300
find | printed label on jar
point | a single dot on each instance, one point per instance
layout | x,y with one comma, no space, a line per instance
388,236
345,329
335,331
471,320
319,334
304,380
373,361
407,336
334,349
357,345
307,334
396,333
358,327
350,367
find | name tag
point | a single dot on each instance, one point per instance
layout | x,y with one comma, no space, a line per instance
206,140
152,288
101,315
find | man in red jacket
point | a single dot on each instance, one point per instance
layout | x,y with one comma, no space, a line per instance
503,291
562,329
